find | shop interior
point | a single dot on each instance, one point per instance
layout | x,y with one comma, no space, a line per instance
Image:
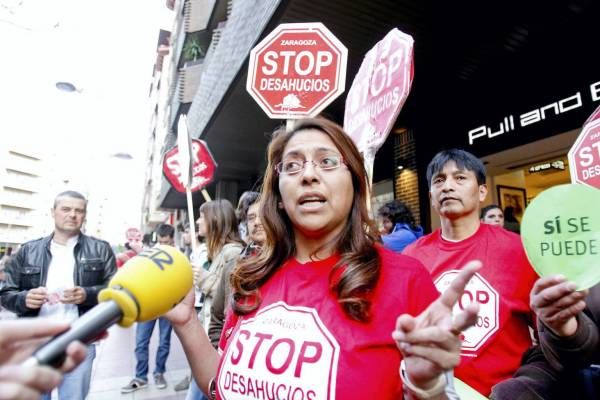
516,176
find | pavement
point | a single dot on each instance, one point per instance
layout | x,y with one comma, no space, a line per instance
114,367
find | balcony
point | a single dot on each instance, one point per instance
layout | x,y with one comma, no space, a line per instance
19,199
196,14
15,234
27,204
20,182
23,165
16,220
188,82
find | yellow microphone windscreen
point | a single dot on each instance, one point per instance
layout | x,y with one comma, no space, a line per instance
157,279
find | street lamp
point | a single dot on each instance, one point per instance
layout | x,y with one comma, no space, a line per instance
122,156
67,87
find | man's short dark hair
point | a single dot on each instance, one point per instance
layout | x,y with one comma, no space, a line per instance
485,209
397,212
463,160
70,193
246,200
165,230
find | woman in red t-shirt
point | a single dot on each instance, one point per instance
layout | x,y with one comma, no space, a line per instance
322,310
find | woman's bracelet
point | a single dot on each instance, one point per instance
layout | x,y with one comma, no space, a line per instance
432,392
212,389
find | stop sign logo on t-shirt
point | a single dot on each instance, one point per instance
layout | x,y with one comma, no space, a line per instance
480,291
283,352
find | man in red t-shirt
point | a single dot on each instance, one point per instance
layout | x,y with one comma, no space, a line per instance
492,349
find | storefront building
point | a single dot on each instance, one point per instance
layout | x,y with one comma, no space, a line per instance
510,82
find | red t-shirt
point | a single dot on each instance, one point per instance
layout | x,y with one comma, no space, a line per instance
491,350
300,345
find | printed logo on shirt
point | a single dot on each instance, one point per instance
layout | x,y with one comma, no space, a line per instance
284,353
477,290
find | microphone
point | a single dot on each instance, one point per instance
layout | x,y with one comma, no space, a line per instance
146,287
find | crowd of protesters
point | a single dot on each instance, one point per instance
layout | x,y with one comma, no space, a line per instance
298,294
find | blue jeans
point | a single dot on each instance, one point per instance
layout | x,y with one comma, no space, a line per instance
194,392
143,332
76,384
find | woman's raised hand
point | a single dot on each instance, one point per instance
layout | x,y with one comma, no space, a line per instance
430,342
183,312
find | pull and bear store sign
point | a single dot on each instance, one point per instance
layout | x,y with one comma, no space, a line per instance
511,122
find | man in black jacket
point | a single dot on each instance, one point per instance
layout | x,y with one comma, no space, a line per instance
59,277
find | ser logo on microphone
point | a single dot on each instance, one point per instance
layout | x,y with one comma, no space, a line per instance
158,257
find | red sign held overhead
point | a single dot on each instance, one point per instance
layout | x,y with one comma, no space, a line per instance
297,70
584,156
203,167
379,91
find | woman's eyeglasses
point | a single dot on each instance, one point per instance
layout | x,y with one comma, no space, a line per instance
294,165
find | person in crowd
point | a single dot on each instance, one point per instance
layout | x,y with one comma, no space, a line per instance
143,332
256,239
3,262
198,256
492,350
18,340
4,314
399,225
186,241
510,221
218,224
240,212
565,364
492,215
59,277
568,322
315,310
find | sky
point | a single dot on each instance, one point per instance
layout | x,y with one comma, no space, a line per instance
107,50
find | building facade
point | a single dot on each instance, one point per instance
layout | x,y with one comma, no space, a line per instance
508,82
21,205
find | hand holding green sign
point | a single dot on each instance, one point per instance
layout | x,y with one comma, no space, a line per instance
561,233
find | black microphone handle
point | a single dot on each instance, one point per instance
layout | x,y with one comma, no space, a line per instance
84,329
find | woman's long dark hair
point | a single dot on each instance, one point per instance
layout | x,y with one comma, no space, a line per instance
221,226
357,272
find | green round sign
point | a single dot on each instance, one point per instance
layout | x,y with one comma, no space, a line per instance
561,233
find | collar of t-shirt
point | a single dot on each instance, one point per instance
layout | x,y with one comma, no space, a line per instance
311,269
60,277
448,244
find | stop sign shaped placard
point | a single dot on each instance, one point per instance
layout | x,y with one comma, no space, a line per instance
297,70
379,91
478,290
595,115
203,167
584,156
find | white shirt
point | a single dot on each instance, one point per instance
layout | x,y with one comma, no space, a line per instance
60,277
